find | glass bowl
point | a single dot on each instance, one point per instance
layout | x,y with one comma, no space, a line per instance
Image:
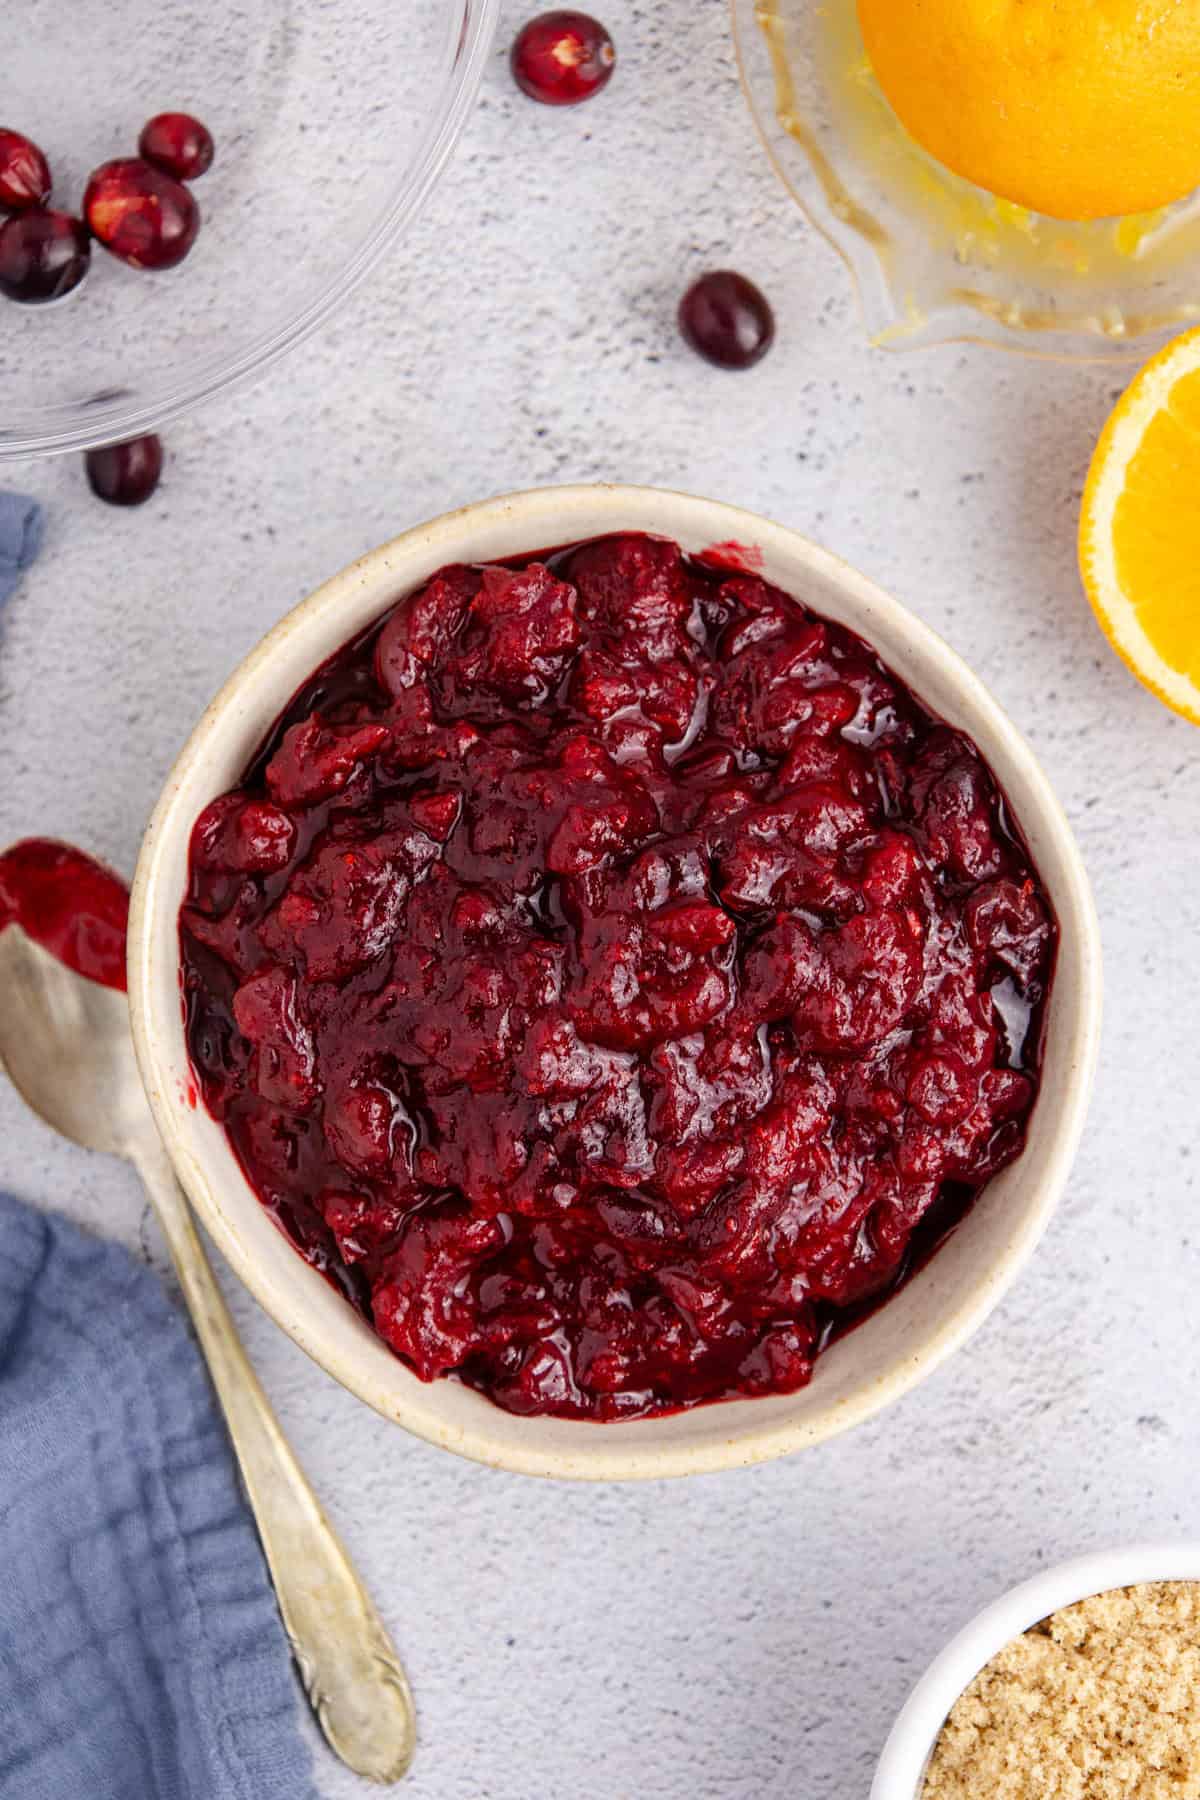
331,125
935,258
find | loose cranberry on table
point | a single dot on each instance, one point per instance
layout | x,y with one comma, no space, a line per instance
178,144
125,474
727,320
43,255
613,977
24,173
140,214
562,57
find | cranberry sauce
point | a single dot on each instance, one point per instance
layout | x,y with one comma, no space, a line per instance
615,978
72,906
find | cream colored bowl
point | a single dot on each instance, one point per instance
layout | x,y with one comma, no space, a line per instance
873,1365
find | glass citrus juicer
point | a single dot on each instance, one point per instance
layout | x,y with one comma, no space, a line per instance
934,258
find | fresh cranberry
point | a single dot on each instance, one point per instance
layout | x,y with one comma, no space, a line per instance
727,320
614,977
562,57
126,474
141,215
24,173
178,144
43,255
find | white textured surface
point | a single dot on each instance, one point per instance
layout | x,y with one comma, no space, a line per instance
750,1635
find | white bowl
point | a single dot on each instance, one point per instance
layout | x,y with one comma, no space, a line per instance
901,1771
891,1351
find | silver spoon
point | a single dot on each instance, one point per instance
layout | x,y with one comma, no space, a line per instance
65,1044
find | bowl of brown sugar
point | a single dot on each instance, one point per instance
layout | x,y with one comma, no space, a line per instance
1081,1684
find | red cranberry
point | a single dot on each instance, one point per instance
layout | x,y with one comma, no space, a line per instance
177,144
143,216
24,173
125,474
562,57
43,255
727,320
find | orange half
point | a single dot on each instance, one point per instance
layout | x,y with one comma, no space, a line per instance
1139,534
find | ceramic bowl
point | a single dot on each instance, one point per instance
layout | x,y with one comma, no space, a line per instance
881,1360
901,1771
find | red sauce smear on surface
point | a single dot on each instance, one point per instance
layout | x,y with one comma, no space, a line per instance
740,559
69,904
615,978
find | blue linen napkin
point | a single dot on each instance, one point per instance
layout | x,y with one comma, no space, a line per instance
141,1654
21,531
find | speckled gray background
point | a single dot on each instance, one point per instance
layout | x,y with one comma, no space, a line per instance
749,1635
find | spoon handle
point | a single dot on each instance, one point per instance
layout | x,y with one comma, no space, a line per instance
350,1669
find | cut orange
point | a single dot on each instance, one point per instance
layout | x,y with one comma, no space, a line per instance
1082,109
1139,535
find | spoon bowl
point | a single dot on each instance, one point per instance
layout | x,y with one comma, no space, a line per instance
66,1048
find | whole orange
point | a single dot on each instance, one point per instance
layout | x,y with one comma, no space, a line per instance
1082,109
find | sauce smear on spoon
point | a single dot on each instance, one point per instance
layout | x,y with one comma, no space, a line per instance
69,904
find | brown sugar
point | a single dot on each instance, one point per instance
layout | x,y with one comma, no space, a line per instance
1101,1701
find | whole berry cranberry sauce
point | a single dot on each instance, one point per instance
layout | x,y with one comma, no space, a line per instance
615,978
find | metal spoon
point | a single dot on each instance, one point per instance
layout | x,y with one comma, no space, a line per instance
66,1046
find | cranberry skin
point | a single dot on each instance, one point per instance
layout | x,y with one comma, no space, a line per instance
144,217
24,173
125,474
562,57
177,144
727,320
43,255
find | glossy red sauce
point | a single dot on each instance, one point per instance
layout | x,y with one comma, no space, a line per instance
742,559
70,904
615,978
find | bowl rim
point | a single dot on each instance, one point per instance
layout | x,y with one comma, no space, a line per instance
113,421
321,622
900,1772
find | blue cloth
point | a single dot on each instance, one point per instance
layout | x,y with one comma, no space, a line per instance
141,1654
21,529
